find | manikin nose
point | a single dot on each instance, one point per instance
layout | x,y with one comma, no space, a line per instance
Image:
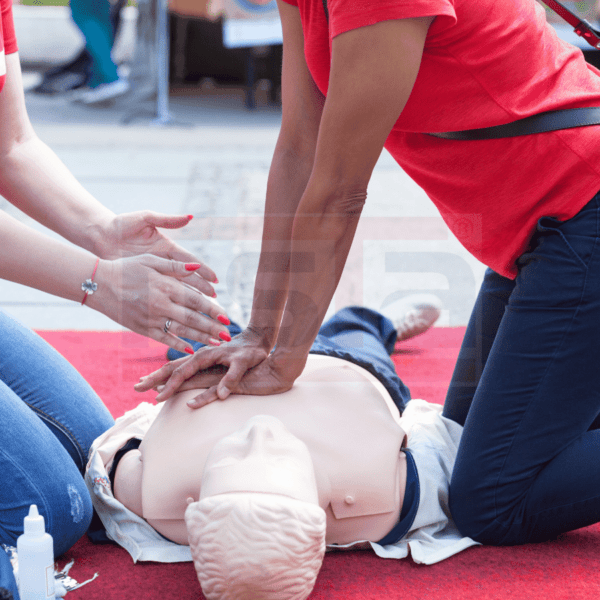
262,431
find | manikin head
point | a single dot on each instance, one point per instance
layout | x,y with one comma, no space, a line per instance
257,531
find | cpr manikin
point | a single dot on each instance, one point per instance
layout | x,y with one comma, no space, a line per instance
327,454
269,479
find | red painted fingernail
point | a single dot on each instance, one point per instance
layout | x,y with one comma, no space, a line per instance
216,280
190,217
189,350
224,320
214,294
225,336
214,342
192,266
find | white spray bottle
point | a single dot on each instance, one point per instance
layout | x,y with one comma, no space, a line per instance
35,554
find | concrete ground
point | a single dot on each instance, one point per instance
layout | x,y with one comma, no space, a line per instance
213,163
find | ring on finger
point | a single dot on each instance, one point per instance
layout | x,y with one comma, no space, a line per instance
167,325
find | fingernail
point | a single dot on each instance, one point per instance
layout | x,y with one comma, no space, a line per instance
216,280
223,392
190,217
189,350
192,266
224,320
225,336
214,294
214,342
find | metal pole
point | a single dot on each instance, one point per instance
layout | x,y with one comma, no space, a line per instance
163,117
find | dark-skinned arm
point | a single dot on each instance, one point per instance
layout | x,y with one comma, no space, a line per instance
373,71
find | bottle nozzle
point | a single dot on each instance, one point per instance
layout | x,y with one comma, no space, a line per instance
34,522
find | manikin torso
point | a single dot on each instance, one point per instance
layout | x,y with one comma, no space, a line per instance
341,412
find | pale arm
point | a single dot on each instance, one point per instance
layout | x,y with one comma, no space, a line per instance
37,182
34,179
140,293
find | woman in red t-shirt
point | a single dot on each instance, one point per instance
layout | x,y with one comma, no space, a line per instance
373,74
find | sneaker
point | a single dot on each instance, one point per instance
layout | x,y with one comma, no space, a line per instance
413,315
104,91
64,78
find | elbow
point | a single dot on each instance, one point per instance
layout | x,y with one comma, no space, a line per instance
329,214
348,204
338,217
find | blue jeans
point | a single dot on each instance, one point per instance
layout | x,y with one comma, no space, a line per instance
356,334
49,417
527,388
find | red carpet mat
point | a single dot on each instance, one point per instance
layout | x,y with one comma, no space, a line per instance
567,568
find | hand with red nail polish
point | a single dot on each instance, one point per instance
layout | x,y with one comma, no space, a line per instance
174,300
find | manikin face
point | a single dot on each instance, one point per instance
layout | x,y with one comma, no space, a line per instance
262,456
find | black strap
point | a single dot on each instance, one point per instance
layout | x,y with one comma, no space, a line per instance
547,121
326,10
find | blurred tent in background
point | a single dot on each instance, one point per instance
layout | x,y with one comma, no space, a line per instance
229,41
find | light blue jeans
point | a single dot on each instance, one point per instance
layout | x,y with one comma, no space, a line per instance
49,417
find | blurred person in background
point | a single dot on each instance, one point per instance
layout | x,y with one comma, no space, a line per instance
93,69
93,17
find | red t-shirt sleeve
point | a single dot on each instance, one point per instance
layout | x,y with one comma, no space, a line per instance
8,27
345,15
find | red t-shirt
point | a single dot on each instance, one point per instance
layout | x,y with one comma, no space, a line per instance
485,63
8,40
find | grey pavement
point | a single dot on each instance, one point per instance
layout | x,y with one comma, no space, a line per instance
214,165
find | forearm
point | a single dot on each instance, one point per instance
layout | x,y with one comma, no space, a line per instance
36,181
290,171
320,246
35,260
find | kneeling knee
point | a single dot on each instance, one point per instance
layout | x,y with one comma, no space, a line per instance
70,515
475,518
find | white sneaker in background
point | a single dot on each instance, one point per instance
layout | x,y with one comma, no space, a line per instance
413,315
104,91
